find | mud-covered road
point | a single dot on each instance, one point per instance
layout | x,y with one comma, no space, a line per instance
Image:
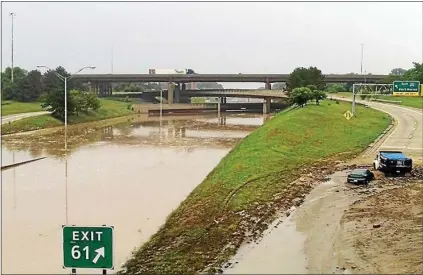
346,229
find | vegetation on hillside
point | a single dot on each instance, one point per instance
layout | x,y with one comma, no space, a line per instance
409,101
245,190
108,109
9,107
412,74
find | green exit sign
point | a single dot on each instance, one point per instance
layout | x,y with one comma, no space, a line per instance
88,247
406,86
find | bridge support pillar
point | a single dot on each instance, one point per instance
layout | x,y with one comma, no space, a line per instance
222,120
94,88
104,89
268,86
170,90
266,105
177,94
183,132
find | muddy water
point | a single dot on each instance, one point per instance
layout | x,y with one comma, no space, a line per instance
277,253
131,174
304,242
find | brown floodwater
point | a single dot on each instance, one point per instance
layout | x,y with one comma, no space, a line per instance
129,173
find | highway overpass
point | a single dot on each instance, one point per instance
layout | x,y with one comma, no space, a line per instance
174,95
247,93
183,78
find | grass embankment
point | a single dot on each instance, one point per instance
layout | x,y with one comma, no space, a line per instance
108,109
13,107
409,101
233,198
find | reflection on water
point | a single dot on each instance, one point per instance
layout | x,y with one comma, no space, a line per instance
130,174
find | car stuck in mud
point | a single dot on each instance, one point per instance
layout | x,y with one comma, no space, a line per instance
360,176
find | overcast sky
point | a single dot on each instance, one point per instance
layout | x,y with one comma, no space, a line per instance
213,37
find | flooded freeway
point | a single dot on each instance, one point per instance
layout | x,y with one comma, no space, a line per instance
130,174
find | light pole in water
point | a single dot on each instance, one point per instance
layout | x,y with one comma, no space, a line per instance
65,79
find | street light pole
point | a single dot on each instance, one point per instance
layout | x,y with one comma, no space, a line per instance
66,101
65,79
12,14
161,111
361,66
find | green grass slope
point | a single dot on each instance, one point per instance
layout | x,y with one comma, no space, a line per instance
108,109
211,223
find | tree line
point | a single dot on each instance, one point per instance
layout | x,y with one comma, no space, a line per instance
306,84
48,89
413,74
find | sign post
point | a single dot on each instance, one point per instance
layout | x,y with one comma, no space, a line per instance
88,247
406,88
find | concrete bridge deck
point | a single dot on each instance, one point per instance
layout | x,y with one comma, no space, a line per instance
249,93
184,78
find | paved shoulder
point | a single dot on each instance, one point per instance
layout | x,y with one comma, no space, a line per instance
10,118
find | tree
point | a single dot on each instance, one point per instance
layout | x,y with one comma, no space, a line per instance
300,96
31,87
398,71
79,102
279,86
415,73
10,89
335,88
318,95
92,101
209,85
53,99
301,77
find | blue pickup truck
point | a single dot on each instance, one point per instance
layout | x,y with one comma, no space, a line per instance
392,162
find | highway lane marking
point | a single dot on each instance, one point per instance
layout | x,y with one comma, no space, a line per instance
374,105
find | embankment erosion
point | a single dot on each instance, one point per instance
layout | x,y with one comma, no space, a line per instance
263,176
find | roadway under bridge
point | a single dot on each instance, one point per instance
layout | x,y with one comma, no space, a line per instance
174,95
102,83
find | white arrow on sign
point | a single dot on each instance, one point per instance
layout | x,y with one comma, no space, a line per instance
100,253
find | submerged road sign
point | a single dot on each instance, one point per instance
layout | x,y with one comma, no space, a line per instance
88,247
348,115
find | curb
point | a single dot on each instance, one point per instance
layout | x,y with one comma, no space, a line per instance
382,135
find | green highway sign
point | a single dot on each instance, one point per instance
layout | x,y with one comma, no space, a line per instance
88,247
406,86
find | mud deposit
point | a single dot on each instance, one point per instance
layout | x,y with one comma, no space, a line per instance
382,233
341,228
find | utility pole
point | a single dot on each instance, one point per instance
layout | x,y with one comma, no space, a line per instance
362,50
12,14
112,60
